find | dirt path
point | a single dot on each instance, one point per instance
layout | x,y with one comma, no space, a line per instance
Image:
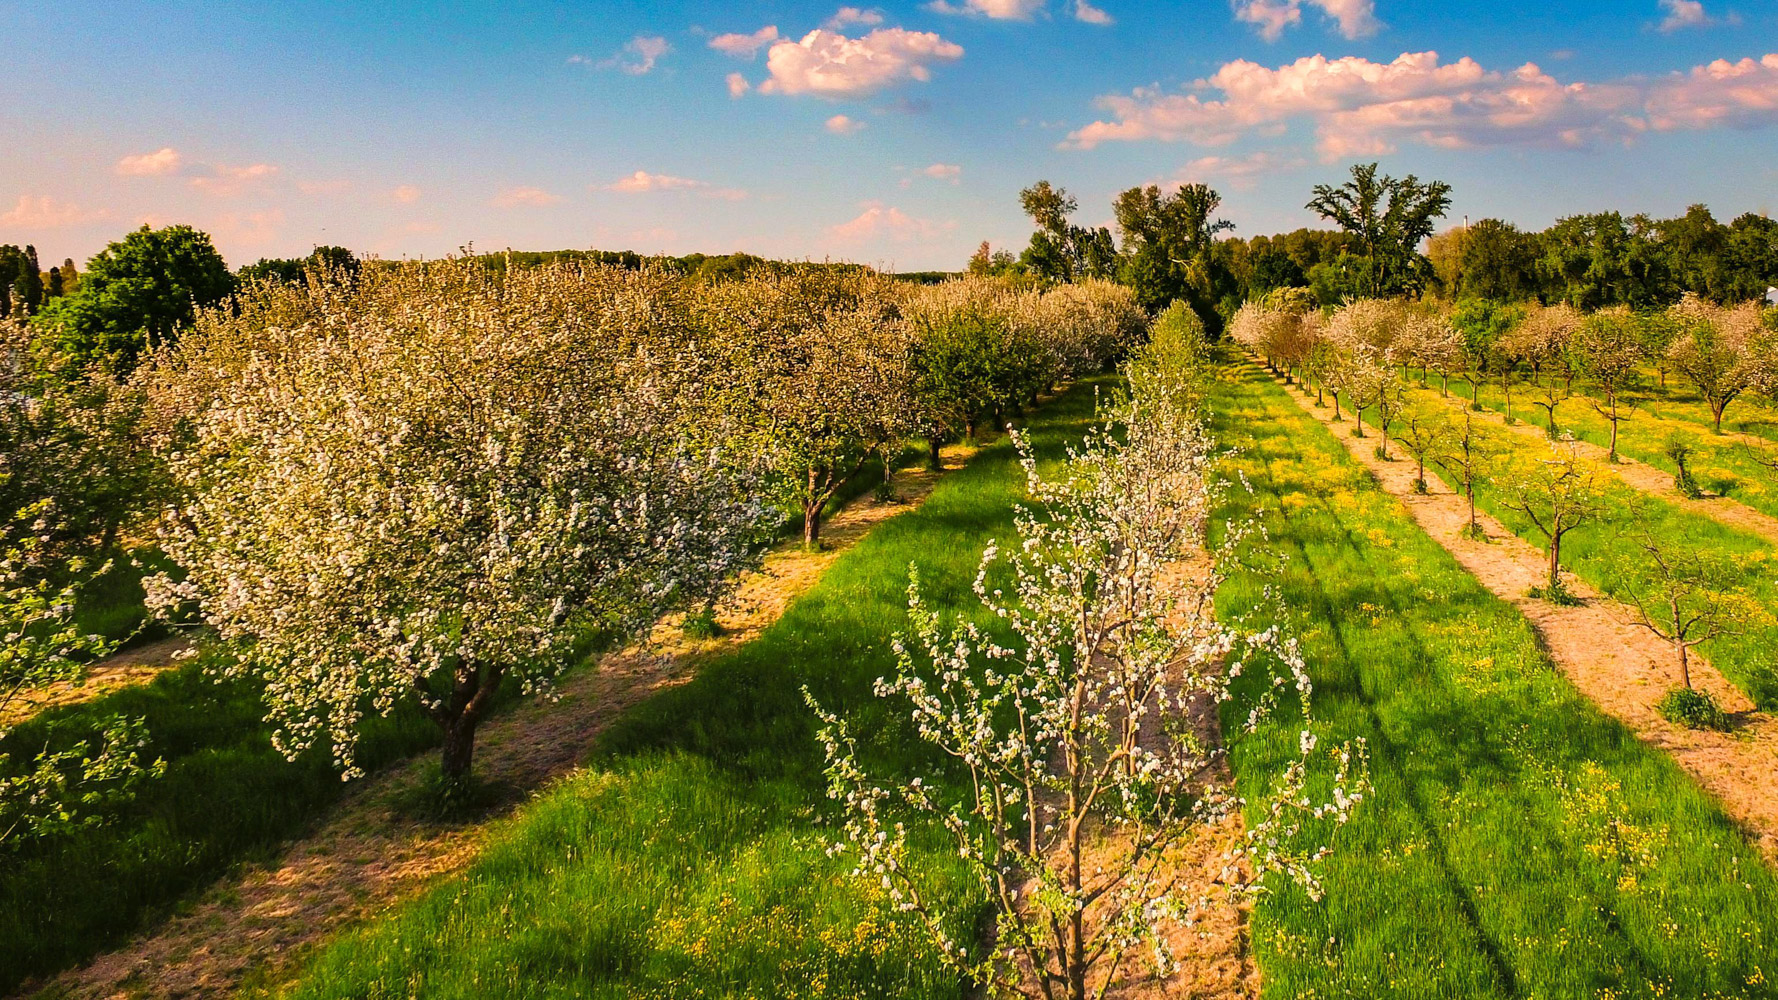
137,665
1622,667
367,855
1637,475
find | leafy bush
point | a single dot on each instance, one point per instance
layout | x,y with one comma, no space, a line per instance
1693,709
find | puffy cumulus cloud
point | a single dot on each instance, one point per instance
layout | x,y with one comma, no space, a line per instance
406,194
879,222
844,125
745,46
1084,11
828,64
638,56
738,85
45,212
1682,14
1364,108
943,172
1353,18
165,160
999,10
1238,172
525,197
643,182
1740,94
848,16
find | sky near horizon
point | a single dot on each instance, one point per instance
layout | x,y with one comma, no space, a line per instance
897,135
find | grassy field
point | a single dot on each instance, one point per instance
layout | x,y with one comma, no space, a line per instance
1519,843
1721,465
227,796
688,860
1607,555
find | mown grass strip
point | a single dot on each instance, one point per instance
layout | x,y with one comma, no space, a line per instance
1519,843
689,860
1608,555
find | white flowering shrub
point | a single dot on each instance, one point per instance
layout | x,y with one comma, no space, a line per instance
61,787
1082,759
439,478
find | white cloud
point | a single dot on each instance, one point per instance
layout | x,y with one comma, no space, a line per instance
1682,14
848,16
248,228
1353,18
879,221
999,10
1090,14
1238,172
643,182
829,64
738,85
745,46
227,182
844,125
406,194
943,172
1363,108
47,213
638,56
528,197
166,160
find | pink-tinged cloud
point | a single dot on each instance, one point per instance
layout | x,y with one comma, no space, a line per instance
45,212
643,182
843,125
1682,14
165,160
943,172
525,197
745,46
879,221
406,194
738,85
999,10
227,182
1364,108
1238,172
845,17
1089,14
828,64
252,229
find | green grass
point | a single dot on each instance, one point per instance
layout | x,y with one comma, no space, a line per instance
689,860
227,797
1721,464
1519,843
1608,556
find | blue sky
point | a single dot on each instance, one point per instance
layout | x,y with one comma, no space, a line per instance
898,134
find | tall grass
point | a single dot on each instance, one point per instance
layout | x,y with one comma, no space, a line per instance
1519,843
688,860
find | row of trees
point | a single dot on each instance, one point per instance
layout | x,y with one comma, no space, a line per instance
1170,246
417,481
1087,735
1366,351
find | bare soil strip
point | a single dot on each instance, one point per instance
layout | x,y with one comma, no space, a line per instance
1622,667
1640,476
367,855
137,665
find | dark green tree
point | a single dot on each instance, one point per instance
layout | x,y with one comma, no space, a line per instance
1169,244
1060,250
139,292
1388,219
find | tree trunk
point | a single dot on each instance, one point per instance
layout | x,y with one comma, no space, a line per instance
459,749
969,428
812,526
934,460
1336,396
1613,452
1717,411
1685,666
1555,561
1469,488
